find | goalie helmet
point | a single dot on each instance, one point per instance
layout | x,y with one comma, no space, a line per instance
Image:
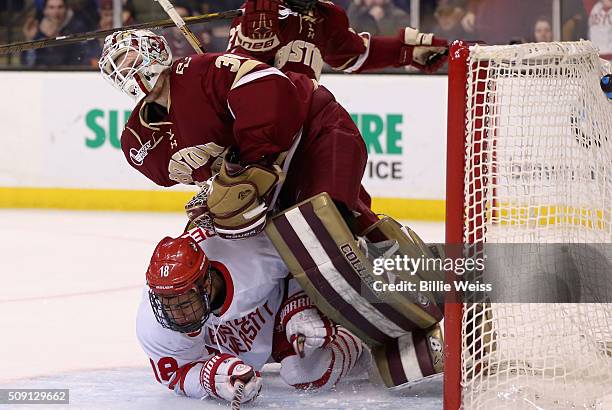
133,59
179,284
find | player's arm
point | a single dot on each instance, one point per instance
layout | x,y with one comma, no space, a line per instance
355,53
269,111
214,377
185,366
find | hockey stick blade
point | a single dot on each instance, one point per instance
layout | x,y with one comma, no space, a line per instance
92,35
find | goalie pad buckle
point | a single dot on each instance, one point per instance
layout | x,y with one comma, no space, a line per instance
411,358
326,260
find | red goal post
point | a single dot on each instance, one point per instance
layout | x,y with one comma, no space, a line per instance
529,154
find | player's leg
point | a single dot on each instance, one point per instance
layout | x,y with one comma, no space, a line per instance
334,270
330,158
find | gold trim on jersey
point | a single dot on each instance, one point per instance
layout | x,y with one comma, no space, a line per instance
245,68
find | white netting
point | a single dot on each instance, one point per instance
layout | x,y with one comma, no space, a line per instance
539,170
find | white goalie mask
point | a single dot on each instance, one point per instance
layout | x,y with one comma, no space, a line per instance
133,59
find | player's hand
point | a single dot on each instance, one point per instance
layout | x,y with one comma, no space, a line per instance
306,328
222,371
260,20
423,50
30,27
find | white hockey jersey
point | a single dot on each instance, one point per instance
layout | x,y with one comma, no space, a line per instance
254,274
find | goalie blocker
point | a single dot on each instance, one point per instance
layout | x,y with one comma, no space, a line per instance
335,271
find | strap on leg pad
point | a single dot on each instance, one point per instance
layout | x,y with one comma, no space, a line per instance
410,359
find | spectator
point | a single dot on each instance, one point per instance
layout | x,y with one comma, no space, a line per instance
106,16
574,20
600,27
178,44
378,17
128,14
215,33
59,19
499,21
542,30
448,20
106,19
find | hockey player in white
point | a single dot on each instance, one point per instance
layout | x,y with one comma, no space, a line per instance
215,311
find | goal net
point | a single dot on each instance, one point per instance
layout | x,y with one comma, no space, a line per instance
529,185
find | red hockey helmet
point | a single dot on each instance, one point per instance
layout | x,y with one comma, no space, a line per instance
178,278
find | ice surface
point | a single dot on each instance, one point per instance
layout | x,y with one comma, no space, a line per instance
70,286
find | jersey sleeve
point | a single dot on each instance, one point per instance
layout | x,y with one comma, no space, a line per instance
145,145
353,53
269,111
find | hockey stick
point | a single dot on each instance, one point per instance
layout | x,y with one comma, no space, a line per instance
180,23
80,37
237,400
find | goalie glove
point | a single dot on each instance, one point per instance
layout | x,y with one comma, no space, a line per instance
306,328
423,50
197,208
219,376
239,197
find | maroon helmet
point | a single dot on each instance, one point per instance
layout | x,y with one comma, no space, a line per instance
179,284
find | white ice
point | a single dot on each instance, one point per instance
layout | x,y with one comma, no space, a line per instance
70,284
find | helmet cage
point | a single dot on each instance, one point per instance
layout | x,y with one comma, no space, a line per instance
166,313
150,54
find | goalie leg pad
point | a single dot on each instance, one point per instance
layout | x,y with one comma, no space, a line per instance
410,245
410,358
323,256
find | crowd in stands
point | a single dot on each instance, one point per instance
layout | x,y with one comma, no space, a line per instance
491,21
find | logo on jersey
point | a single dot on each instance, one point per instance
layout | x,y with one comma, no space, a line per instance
138,155
185,161
301,52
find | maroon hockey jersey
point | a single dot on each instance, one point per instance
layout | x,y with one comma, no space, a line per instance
216,101
306,41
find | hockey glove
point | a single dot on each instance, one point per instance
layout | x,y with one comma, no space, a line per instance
219,376
306,328
423,50
260,19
